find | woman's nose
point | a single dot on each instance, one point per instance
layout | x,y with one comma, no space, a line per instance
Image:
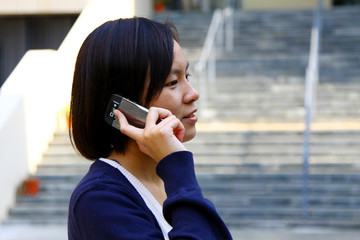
191,94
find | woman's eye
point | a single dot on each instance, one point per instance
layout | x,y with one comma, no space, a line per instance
172,83
188,76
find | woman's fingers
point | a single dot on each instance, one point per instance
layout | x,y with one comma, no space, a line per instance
175,126
157,139
125,127
155,115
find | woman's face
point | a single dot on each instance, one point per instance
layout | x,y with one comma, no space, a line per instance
178,95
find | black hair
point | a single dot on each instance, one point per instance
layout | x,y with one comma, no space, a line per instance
117,57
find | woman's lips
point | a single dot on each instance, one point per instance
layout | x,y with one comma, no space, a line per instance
192,118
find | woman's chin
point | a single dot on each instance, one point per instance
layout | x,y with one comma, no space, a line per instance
189,134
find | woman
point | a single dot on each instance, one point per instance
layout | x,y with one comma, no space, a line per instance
142,183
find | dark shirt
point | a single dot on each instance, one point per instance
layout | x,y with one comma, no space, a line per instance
106,206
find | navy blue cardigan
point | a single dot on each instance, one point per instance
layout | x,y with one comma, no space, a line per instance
106,206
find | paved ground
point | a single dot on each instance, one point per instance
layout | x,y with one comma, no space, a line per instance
58,232
33,232
295,234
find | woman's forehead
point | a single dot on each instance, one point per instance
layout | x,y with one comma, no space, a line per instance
179,60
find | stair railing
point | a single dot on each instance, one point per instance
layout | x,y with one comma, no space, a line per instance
220,29
312,78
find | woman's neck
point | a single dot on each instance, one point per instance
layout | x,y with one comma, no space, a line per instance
136,162
143,168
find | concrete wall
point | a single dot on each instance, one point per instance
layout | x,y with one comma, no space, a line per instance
21,7
281,4
144,8
24,7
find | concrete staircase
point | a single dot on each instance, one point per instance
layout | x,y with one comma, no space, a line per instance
341,31
246,152
280,99
275,199
192,28
254,177
263,78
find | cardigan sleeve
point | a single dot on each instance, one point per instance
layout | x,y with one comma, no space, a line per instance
189,213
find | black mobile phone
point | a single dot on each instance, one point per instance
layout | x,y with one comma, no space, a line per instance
134,113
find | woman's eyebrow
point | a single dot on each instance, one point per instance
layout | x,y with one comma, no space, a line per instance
177,71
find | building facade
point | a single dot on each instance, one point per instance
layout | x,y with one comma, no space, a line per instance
43,24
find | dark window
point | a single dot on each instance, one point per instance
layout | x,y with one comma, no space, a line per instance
21,33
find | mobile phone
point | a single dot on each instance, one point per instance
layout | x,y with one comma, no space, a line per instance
134,113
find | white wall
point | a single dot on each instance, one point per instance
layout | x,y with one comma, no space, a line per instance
95,13
27,120
34,80
12,149
36,91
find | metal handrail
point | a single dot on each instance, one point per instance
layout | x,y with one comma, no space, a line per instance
312,78
206,66
210,39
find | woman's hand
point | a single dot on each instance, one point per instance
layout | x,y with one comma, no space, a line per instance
157,139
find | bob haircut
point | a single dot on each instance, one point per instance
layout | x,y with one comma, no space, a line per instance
117,57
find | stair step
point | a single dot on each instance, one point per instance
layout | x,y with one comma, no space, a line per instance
242,149
36,220
278,177
263,168
53,168
46,198
35,211
342,224
260,202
